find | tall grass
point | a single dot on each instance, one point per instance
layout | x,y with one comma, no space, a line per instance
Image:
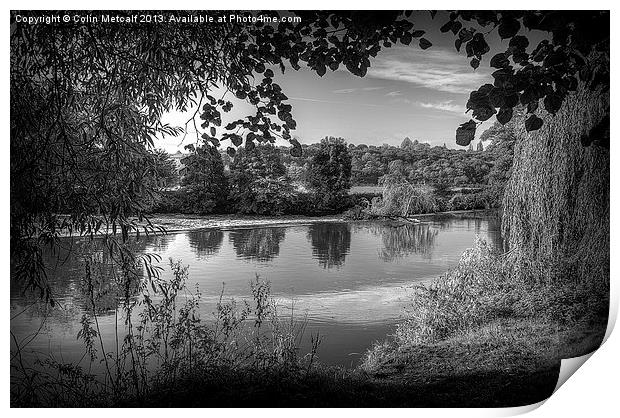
162,340
484,289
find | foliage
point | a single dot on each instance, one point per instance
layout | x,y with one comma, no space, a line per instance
402,198
164,171
577,51
470,201
483,289
205,184
329,173
423,164
258,181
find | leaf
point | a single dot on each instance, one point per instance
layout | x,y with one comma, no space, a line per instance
504,115
446,27
499,61
268,73
508,28
465,133
552,103
425,43
477,46
406,38
212,130
231,152
475,63
236,139
519,42
483,113
533,123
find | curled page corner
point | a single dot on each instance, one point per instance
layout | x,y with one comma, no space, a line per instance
569,366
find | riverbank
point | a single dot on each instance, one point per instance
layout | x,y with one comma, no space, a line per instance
181,222
178,223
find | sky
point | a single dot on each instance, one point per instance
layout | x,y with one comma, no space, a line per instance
407,92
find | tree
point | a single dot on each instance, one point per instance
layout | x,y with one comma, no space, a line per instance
205,187
259,182
406,143
329,174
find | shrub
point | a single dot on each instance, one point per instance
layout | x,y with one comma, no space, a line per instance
189,200
471,201
464,297
405,199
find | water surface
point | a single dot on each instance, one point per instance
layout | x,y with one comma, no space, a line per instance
351,280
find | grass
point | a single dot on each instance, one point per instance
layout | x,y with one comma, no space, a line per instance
478,320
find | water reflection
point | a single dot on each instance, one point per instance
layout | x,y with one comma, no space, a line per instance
401,241
330,243
260,244
205,243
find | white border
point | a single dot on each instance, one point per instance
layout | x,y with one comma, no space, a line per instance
592,391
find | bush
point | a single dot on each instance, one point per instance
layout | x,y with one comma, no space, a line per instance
405,199
462,298
189,200
471,201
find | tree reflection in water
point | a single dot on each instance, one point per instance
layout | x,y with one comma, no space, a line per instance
205,243
260,244
401,241
331,243
84,277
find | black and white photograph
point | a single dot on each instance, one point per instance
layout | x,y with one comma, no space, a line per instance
306,208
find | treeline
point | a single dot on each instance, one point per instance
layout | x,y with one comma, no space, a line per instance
256,181
424,164
267,180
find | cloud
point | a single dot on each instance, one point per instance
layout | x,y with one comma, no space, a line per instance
347,91
440,70
344,91
394,93
306,99
445,106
